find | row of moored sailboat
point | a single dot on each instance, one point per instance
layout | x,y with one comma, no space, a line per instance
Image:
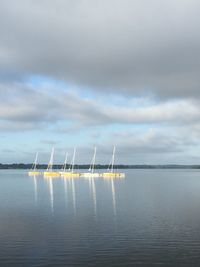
70,172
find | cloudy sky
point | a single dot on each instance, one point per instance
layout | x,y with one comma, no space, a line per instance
100,72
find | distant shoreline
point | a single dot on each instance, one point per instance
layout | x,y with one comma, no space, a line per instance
99,166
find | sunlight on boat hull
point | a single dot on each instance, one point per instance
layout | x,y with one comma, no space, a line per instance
70,174
34,173
113,174
51,174
89,174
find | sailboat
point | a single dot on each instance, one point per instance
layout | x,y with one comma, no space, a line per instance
111,173
91,172
34,170
49,171
70,172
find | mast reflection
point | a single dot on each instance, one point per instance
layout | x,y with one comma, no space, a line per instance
70,191
90,183
112,183
65,189
113,196
35,190
94,196
50,180
73,195
92,189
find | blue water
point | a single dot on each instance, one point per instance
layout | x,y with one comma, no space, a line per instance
150,218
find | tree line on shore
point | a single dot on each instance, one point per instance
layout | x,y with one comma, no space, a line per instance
99,166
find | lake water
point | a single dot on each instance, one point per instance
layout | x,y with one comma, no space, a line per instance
150,218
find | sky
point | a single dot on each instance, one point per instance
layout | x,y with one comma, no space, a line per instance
100,73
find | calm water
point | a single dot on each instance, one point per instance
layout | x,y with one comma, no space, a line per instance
152,217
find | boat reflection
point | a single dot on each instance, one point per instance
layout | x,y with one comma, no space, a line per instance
71,188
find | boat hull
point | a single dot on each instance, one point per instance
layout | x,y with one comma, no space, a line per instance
70,174
113,175
34,173
51,174
90,175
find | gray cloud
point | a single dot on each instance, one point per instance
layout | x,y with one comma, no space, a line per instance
152,145
130,46
24,107
152,141
27,108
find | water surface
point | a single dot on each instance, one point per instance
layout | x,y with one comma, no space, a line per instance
150,218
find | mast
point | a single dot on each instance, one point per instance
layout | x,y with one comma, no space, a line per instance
35,162
65,162
113,159
109,165
50,165
94,158
91,168
73,159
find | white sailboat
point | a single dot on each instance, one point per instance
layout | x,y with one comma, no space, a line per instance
91,172
111,173
49,171
34,170
70,172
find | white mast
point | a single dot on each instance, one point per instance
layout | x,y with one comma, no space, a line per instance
94,158
113,159
92,165
50,165
65,162
73,159
35,162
